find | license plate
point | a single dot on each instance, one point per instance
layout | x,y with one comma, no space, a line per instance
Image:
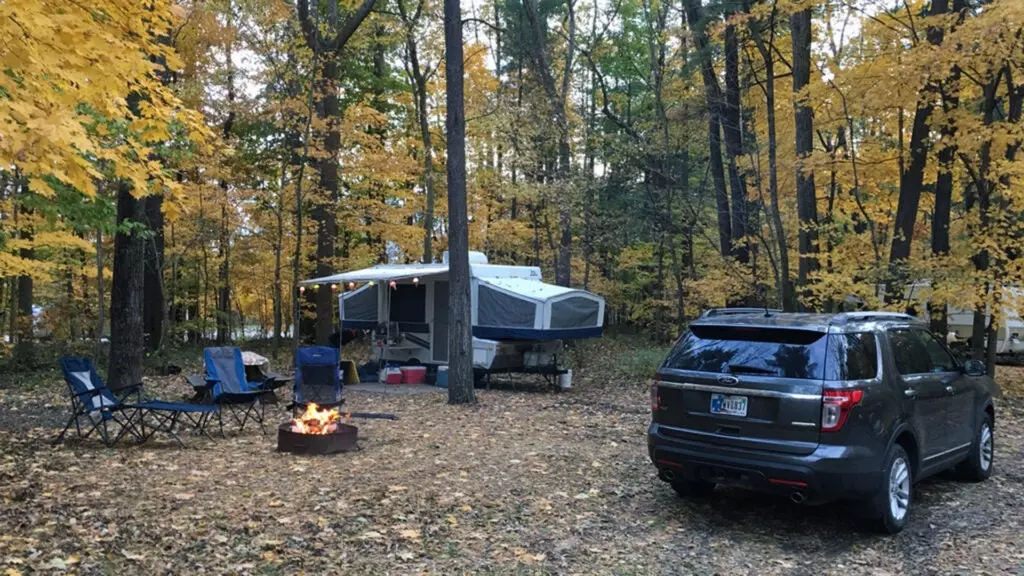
729,405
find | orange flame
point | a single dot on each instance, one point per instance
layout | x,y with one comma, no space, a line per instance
316,420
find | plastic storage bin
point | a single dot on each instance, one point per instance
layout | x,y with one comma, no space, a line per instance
442,377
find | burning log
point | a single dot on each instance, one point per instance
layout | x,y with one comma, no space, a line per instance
317,431
316,420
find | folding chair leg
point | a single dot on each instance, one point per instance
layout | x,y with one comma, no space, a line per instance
202,423
60,438
170,428
104,435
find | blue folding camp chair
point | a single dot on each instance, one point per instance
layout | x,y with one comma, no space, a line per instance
316,377
94,408
243,399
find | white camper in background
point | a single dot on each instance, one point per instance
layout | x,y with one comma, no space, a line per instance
519,322
1009,336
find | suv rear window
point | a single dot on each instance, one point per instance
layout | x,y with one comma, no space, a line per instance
859,353
784,353
743,350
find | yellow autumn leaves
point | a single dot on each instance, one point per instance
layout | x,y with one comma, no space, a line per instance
68,65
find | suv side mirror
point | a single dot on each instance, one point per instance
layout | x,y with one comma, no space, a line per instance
974,368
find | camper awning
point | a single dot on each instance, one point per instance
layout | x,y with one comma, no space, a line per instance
383,273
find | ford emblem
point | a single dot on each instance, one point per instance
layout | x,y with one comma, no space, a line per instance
727,380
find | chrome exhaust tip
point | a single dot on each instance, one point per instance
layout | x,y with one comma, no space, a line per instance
668,475
797,497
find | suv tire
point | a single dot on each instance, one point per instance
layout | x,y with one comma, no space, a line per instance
693,489
890,508
978,466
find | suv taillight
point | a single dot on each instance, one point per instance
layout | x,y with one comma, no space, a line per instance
836,406
655,399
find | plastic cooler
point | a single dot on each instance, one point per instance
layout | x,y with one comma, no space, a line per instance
414,374
442,377
392,376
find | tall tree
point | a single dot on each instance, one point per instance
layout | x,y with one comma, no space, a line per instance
944,183
713,96
127,292
329,46
420,73
912,179
767,50
153,284
806,202
732,126
556,97
460,335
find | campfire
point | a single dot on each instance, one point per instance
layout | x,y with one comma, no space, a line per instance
317,431
317,420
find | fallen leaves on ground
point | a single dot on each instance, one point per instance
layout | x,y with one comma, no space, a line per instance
524,482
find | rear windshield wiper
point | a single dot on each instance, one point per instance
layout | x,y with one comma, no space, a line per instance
740,369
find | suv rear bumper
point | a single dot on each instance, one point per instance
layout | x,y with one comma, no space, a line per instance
827,474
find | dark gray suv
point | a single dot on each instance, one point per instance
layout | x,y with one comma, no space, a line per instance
853,406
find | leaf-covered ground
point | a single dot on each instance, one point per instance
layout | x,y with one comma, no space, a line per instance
525,482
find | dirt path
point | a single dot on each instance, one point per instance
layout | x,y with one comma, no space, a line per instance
524,483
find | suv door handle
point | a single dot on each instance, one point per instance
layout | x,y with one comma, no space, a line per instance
949,389
910,392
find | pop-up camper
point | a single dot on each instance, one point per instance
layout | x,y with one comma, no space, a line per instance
519,322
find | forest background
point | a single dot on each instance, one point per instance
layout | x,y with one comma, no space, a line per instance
173,168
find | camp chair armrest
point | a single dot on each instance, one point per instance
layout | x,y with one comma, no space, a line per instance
88,394
274,381
199,382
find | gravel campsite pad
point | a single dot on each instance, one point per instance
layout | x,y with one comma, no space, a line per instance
523,483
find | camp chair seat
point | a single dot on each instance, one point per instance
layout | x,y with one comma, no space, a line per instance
231,389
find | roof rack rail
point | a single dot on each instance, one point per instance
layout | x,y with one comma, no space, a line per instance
868,315
738,310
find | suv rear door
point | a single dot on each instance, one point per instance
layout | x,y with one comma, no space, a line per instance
749,387
928,374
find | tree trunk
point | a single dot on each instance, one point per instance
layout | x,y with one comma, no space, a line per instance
25,297
941,217
24,320
423,114
224,281
329,46
982,259
556,99
912,180
733,129
278,252
153,303
460,336
126,295
785,288
807,208
713,98
100,295
323,213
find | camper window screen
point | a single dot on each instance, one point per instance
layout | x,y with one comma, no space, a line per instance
575,312
496,308
361,306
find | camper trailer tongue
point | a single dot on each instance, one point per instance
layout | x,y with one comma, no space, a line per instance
316,420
